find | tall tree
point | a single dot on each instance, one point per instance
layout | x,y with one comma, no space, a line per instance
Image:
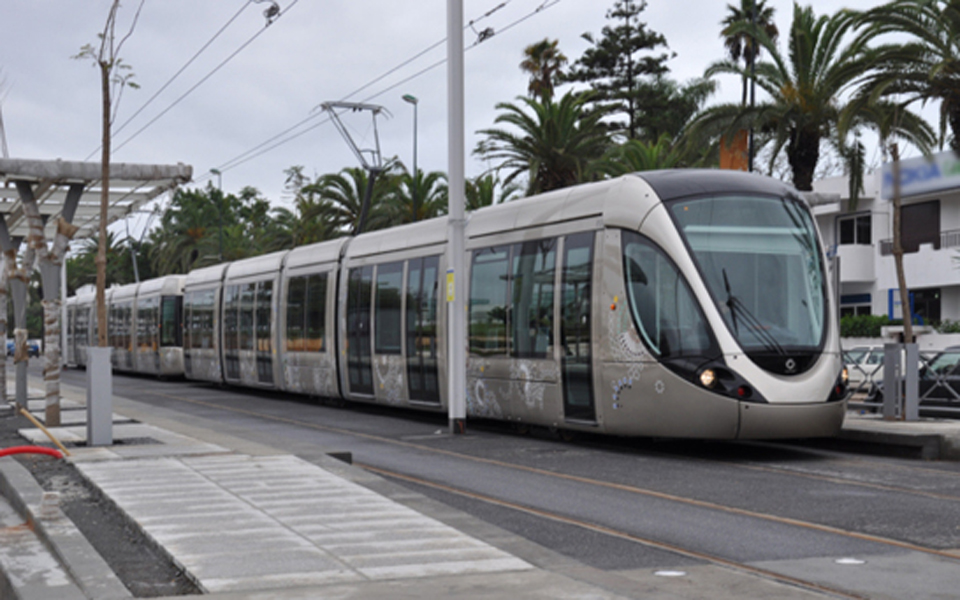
616,64
924,66
343,192
114,76
670,105
554,143
544,62
431,197
738,41
487,189
806,87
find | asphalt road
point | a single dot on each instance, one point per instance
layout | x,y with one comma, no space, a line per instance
630,506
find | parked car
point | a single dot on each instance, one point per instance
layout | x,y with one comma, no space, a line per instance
33,347
864,367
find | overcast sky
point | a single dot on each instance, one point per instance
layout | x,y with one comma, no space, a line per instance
316,51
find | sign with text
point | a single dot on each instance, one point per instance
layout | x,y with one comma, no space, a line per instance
922,175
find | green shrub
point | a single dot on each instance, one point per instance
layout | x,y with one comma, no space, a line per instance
864,325
948,326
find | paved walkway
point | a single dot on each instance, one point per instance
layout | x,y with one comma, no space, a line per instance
244,523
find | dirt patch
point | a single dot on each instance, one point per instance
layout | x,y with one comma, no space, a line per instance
145,568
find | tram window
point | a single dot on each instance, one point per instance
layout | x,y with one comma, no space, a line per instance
387,316
170,313
231,302
296,296
264,313
316,309
661,302
532,285
488,296
201,321
247,299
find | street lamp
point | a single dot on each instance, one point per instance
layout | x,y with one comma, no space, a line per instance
414,101
219,207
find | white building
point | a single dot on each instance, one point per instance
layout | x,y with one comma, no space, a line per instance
863,239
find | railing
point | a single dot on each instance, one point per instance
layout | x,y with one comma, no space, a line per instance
948,239
939,392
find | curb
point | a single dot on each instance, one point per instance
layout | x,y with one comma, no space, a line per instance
94,578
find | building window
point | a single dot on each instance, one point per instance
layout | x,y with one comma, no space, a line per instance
855,229
854,305
920,224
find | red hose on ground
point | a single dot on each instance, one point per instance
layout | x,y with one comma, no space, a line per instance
30,450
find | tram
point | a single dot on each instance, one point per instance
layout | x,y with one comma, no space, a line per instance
680,303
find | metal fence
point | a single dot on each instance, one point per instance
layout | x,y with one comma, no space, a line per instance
937,386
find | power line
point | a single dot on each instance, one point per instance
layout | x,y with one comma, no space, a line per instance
205,78
268,145
175,75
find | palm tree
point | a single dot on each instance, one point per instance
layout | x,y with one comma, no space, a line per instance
544,62
925,66
183,239
638,155
482,191
431,197
805,87
555,145
342,197
740,42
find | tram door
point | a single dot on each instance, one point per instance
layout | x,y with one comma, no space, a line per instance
575,327
359,360
422,291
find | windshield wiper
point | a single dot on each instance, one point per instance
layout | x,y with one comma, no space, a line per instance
754,325
731,303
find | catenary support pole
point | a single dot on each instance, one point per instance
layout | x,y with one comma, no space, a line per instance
456,275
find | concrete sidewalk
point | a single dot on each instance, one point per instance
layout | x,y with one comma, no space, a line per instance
262,524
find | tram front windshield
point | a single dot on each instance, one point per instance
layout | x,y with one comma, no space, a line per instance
760,259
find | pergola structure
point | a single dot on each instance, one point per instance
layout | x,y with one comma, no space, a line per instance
47,203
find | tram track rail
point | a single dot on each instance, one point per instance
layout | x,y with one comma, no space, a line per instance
623,535
602,484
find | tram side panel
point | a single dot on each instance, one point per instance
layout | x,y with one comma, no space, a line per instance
390,329
203,324
636,393
306,332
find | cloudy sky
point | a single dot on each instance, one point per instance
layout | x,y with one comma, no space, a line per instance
316,51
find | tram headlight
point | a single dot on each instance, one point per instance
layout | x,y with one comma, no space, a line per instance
844,376
708,378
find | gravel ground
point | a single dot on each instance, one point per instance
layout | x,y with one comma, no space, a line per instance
141,565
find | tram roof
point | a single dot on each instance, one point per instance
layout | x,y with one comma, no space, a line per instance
168,285
131,185
671,184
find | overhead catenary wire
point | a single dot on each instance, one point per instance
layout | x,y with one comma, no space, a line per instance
205,78
177,74
253,152
269,145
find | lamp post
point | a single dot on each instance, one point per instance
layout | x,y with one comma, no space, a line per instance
219,208
414,101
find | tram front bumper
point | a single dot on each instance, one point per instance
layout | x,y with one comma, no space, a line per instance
772,421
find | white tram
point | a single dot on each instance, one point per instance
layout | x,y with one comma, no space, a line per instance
687,303
144,327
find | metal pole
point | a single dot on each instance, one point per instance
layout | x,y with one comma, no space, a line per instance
63,313
456,305
415,102
219,208
753,80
